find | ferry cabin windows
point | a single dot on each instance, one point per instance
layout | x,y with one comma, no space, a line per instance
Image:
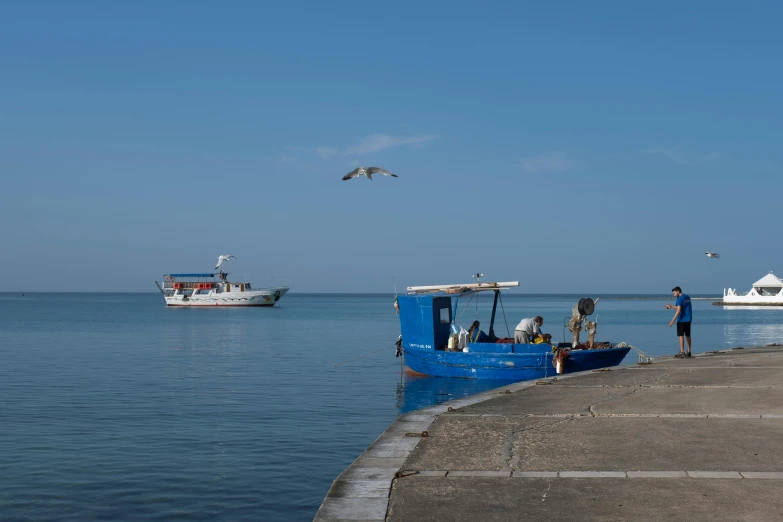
445,315
237,287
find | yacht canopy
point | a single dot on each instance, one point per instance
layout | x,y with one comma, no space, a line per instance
462,288
768,281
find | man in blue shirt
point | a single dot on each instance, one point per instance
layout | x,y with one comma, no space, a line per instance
683,318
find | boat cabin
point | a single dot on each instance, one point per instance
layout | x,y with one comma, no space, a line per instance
427,315
189,285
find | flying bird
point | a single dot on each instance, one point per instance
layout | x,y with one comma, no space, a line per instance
221,259
713,255
367,173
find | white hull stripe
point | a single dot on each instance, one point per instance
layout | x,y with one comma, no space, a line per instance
251,298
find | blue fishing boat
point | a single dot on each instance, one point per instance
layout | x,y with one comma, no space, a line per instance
431,343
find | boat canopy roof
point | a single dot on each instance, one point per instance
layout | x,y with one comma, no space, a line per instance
461,289
769,280
190,275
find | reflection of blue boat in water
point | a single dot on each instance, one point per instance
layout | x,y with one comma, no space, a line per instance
431,346
417,391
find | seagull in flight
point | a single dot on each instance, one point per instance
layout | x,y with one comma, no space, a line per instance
713,255
367,173
221,259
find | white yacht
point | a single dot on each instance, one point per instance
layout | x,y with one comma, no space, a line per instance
214,289
767,291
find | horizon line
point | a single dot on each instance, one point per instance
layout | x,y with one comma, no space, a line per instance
602,295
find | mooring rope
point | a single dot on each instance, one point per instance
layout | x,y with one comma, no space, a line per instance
508,332
467,305
643,357
357,358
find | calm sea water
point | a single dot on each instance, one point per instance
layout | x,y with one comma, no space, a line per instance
114,407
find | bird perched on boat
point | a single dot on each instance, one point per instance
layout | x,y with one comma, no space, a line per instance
713,255
367,173
221,259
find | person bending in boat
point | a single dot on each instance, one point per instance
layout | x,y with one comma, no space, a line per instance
528,330
475,335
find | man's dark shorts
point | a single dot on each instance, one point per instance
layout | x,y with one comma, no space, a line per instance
684,328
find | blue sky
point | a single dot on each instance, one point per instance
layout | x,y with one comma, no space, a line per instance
575,147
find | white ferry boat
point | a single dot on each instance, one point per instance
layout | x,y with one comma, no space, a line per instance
767,291
214,289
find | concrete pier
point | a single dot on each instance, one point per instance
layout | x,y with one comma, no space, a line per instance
696,439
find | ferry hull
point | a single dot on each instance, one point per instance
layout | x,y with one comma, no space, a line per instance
222,305
267,297
521,363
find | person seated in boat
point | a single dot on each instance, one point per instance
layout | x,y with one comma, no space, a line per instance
529,329
475,335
